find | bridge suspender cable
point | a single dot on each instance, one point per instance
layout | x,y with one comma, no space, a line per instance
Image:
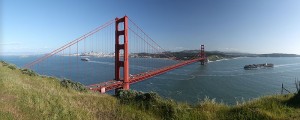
69,44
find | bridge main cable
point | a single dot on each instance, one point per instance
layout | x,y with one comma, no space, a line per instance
171,55
69,44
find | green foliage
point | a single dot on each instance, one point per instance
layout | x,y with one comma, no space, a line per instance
273,107
152,102
294,101
127,96
245,113
6,116
13,67
148,101
29,72
4,63
297,83
27,97
10,66
73,85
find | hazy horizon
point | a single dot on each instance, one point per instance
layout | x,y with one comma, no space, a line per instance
35,53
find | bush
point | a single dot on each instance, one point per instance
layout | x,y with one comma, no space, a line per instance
29,72
73,85
294,101
10,66
166,109
127,96
13,67
4,63
297,83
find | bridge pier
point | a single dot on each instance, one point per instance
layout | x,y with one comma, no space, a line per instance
126,85
202,55
121,52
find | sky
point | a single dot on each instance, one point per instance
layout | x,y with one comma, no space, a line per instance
250,26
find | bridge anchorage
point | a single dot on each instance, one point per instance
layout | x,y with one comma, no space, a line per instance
119,40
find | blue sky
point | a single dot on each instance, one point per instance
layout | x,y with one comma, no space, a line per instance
252,26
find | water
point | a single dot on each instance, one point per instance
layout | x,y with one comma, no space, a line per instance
224,80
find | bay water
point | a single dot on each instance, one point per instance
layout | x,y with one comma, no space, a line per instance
225,80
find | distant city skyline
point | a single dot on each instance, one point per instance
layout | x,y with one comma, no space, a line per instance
252,26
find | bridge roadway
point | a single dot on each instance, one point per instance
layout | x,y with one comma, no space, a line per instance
113,84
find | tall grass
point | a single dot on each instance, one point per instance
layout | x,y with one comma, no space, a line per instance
269,107
27,95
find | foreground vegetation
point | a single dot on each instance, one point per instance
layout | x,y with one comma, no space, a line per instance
26,95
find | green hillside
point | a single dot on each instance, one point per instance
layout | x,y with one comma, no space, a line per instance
25,95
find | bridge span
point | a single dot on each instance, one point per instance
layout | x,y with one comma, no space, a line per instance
119,41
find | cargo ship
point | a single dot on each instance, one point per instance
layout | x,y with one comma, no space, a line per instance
256,66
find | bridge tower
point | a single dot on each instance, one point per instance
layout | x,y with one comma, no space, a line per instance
202,55
121,52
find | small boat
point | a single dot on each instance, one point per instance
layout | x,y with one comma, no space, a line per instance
85,59
256,66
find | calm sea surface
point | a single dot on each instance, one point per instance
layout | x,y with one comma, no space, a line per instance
225,80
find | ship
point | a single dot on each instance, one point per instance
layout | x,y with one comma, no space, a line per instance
85,59
256,66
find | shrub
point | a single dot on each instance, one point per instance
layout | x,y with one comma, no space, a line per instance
4,63
73,85
29,72
127,96
294,101
149,101
149,97
297,83
10,66
13,67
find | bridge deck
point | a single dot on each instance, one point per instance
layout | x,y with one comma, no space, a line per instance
113,84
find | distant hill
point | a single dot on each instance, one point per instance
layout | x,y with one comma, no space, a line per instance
236,54
278,55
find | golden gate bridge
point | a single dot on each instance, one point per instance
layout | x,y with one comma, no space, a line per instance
121,39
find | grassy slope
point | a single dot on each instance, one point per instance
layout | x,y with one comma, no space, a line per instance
34,97
28,97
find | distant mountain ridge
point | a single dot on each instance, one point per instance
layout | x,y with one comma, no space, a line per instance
240,54
278,55
189,53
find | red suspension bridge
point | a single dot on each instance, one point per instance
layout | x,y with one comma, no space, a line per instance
119,41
